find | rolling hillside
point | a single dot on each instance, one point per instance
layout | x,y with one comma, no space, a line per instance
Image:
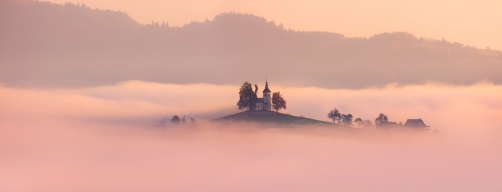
272,118
51,45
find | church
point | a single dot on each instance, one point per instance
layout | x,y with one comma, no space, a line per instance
265,103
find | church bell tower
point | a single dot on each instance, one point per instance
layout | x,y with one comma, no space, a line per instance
267,98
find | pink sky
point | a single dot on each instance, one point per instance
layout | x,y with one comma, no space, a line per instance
474,23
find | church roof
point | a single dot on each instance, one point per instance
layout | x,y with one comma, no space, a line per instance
266,87
259,100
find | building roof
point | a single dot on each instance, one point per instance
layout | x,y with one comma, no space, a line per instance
415,123
259,100
266,87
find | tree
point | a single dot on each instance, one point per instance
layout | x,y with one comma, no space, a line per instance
335,116
381,119
193,120
359,122
247,97
367,123
400,123
278,102
175,119
346,119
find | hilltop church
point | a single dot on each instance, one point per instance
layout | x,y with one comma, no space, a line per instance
265,103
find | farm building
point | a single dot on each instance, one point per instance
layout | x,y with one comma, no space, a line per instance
416,124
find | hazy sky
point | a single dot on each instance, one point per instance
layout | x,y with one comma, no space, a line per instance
474,23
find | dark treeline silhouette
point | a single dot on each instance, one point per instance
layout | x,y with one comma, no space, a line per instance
339,118
381,121
176,120
51,45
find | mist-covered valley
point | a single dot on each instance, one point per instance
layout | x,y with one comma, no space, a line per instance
86,96
105,138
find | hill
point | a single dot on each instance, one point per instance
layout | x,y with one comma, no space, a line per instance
44,44
271,117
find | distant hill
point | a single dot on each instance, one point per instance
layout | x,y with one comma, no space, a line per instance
272,118
51,45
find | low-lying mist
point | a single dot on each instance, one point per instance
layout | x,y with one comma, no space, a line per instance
106,139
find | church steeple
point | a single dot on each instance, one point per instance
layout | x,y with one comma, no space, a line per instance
267,99
266,87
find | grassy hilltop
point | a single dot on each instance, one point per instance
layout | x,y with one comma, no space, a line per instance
270,117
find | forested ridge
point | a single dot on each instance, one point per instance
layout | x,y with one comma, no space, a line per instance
44,44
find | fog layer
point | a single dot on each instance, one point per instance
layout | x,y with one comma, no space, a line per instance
105,139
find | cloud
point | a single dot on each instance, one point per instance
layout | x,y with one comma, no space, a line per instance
104,138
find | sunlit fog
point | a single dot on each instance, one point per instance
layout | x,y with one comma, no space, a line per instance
108,138
250,96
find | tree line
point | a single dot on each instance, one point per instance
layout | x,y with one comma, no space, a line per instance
176,120
346,119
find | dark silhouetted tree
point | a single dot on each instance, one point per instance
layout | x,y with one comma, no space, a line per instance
381,119
346,119
193,120
335,116
359,122
175,119
278,102
247,97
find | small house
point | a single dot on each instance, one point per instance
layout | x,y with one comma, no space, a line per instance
416,124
